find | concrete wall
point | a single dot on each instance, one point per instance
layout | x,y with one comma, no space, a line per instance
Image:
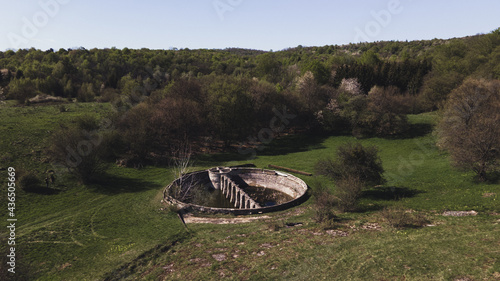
285,183
225,179
235,194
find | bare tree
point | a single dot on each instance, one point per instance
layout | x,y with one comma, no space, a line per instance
181,158
181,162
470,127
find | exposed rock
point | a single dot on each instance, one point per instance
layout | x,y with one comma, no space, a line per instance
459,213
371,226
169,267
45,98
337,233
192,219
261,253
219,257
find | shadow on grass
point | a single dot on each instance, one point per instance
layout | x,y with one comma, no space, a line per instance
219,158
280,146
42,190
416,130
493,178
292,144
390,193
366,208
111,184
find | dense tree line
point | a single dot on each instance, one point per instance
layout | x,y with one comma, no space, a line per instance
432,68
163,97
407,76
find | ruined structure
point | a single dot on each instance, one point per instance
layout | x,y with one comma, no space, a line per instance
242,190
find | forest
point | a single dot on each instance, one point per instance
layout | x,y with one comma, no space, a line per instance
398,143
164,98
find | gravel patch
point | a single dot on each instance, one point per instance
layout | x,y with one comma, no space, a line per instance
193,219
337,233
219,257
459,213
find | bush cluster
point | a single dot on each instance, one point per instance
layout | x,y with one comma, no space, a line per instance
354,168
356,161
30,182
382,112
83,148
398,217
324,203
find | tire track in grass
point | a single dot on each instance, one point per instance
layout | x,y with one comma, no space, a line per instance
28,228
68,219
73,236
51,242
92,221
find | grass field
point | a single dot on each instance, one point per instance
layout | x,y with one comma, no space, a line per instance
118,229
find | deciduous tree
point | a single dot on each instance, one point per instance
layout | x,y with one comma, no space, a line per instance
470,127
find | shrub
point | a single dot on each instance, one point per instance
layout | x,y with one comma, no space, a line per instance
324,203
398,217
354,168
86,93
348,192
356,162
87,123
30,182
325,167
79,151
274,225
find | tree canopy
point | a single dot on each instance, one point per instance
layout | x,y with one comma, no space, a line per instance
470,128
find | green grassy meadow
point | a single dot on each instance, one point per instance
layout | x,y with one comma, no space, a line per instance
117,229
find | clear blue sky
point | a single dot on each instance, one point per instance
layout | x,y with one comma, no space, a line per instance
255,24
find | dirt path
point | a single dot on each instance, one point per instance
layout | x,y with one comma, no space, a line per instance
192,219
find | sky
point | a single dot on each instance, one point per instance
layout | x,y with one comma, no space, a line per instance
253,24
